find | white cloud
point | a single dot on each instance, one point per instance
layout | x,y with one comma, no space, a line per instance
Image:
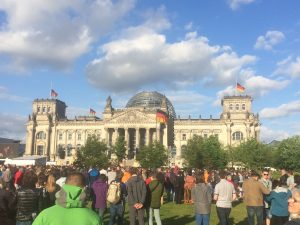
281,111
267,134
255,86
235,4
289,67
271,38
4,95
142,56
12,126
53,34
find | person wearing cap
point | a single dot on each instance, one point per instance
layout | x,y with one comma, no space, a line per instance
253,198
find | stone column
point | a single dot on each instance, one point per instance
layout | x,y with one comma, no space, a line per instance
53,144
137,137
127,139
228,130
147,138
158,138
29,142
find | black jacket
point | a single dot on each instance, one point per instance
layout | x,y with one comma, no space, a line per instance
27,204
136,189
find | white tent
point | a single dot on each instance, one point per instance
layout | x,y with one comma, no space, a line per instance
27,160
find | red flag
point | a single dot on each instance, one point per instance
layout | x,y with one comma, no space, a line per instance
92,112
161,117
53,93
240,88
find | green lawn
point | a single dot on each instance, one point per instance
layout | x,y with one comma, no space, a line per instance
172,214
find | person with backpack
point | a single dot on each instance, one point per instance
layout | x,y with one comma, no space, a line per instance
116,198
156,189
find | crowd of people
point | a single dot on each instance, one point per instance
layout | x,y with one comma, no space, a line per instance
42,195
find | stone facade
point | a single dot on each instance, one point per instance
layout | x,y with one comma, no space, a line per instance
49,131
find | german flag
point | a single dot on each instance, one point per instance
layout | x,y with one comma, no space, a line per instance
161,117
240,88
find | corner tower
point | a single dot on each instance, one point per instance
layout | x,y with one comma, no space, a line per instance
40,125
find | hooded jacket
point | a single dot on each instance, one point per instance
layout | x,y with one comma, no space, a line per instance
100,188
69,209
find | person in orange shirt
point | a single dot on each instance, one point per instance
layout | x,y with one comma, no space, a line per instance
126,175
206,175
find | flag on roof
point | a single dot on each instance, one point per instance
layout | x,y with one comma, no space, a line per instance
92,112
240,88
53,94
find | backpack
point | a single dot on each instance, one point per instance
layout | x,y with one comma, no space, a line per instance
114,193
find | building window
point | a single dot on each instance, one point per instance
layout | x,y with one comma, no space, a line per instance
69,150
243,107
98,136
79,137
40,150
78,146
39,109
205,135
49,109
217,136
231,107
184,137
60,136
41,135
237,107
44,109
237,136
70,136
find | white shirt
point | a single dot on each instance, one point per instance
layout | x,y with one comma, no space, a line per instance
224,190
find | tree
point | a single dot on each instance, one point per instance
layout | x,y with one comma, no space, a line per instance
287,154
93,153
253,154
205,153
152,156
120,149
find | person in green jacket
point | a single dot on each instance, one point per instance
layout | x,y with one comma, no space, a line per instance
156,189
70,206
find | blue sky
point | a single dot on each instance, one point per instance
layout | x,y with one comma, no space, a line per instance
192,51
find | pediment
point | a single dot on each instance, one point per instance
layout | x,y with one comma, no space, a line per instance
132,116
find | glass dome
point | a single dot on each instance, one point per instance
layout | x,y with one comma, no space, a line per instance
150,99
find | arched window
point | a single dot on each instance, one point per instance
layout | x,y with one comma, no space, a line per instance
60,136
69,136
41,135
237,136
231,107
243,107
79,136
237,107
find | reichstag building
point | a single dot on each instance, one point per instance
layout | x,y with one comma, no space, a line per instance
49,131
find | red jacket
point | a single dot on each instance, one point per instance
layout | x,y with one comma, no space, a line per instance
18,177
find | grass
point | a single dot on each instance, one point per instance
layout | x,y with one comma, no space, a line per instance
172,214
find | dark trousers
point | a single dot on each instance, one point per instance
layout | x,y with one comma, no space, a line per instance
133,212
223,215
257,211
178,194
116,213
279,220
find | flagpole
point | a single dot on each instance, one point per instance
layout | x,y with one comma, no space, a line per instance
50,89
